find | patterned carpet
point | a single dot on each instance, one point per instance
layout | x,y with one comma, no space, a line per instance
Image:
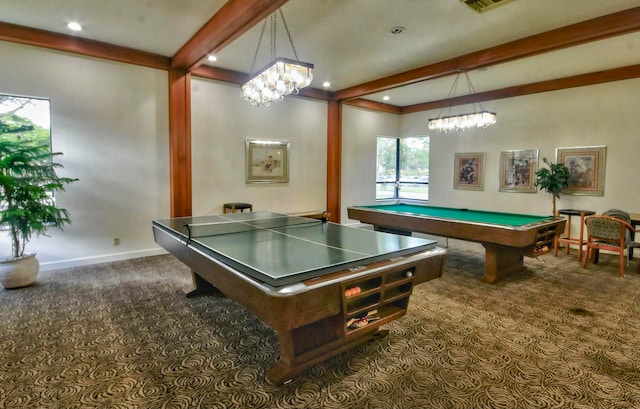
123,335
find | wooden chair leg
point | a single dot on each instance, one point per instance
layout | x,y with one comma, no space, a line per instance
621,260
586,257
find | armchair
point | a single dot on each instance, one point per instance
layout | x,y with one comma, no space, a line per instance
607,233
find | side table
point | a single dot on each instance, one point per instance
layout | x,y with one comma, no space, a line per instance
568,240
232,207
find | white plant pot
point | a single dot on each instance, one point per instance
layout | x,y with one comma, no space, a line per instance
19,272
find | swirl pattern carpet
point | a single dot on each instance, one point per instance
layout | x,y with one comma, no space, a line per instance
123,335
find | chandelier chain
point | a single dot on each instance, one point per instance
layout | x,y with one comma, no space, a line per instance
452,91
255,56
473,91
273,23
286,27
475,119
282,77
274,27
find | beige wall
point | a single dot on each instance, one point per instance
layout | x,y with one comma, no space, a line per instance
360,129
587,116
111,122
222,122
603,114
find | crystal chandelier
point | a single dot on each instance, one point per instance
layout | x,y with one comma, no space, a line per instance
281,77
477,119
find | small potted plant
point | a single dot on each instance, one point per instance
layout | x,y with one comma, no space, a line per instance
28,181
552,179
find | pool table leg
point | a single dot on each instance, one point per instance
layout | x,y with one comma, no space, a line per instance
200,286
501,261
292,364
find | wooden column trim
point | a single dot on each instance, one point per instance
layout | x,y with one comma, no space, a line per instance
180,142
334,159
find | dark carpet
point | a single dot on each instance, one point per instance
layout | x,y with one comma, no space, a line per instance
123,335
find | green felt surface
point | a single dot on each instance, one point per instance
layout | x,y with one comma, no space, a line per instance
479,216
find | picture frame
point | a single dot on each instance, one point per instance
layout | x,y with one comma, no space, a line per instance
468,173
517,171
586,169
267,161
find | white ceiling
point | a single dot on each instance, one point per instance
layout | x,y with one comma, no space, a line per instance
349,42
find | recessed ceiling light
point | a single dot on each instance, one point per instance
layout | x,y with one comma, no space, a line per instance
212,58
74,26
386,98
397,30
326,84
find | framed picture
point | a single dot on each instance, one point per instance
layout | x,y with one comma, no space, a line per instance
267,161
586,169
468,172
517,171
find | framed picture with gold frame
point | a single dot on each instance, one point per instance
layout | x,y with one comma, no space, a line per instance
468,172
517,171
586,169
267,161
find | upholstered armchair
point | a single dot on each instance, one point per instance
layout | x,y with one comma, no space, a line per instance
607,233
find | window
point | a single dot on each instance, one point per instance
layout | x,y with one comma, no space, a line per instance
403,168
25,118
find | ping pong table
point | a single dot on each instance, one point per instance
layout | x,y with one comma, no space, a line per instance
323,287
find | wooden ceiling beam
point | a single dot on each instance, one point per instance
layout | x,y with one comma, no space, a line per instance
591,30
82,46
615,74
373,105
315,93
220,74
623,22
234,19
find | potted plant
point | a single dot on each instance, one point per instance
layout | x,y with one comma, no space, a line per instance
552,179
28,181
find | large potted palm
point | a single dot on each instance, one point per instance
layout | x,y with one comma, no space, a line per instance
28,181
552,179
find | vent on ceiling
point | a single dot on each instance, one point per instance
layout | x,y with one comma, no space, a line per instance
483,5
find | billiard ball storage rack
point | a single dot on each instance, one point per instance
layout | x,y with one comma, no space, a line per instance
545,240
377,299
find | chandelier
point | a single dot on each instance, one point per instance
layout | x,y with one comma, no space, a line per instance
281,77
478,119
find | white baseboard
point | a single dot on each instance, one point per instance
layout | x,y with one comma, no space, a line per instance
107,258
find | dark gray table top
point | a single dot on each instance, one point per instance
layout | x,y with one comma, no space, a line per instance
280,249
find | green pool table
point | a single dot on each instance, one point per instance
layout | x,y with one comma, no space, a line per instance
506,237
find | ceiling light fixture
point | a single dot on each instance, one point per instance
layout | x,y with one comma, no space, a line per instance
477,119
73,26
281,77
